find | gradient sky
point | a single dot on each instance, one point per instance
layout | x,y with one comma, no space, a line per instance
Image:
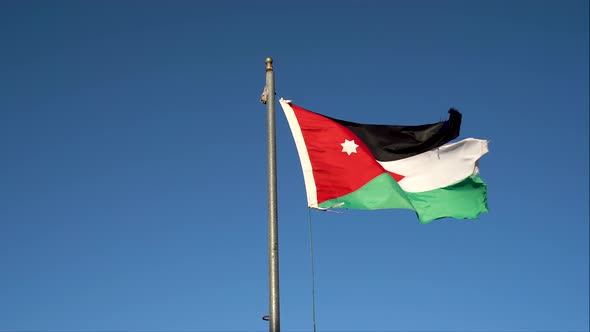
133,170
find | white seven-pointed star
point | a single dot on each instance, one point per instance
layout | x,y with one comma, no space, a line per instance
349,146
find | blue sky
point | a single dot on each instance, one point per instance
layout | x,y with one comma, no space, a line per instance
133,170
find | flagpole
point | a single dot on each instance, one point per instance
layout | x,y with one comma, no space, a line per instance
273,238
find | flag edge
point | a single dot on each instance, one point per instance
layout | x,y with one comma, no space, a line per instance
308,178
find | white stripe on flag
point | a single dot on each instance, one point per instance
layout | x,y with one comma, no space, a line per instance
439,168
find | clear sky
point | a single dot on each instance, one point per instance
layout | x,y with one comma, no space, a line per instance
133,165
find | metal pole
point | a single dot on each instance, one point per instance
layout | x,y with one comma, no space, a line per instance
273,234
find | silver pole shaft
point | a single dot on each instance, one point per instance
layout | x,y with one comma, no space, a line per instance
273,233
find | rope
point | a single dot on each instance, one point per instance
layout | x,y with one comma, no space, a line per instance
312,270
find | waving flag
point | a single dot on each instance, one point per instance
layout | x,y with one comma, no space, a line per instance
361,166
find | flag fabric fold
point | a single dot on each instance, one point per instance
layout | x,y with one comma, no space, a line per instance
364,166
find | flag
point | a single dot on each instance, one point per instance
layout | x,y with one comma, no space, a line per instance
365,166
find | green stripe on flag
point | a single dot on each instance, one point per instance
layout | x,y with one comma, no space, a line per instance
380,193
463,200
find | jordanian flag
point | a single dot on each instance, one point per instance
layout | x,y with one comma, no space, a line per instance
360,166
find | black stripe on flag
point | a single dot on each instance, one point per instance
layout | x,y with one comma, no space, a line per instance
394,142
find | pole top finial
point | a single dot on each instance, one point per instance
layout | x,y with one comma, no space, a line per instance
268,64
